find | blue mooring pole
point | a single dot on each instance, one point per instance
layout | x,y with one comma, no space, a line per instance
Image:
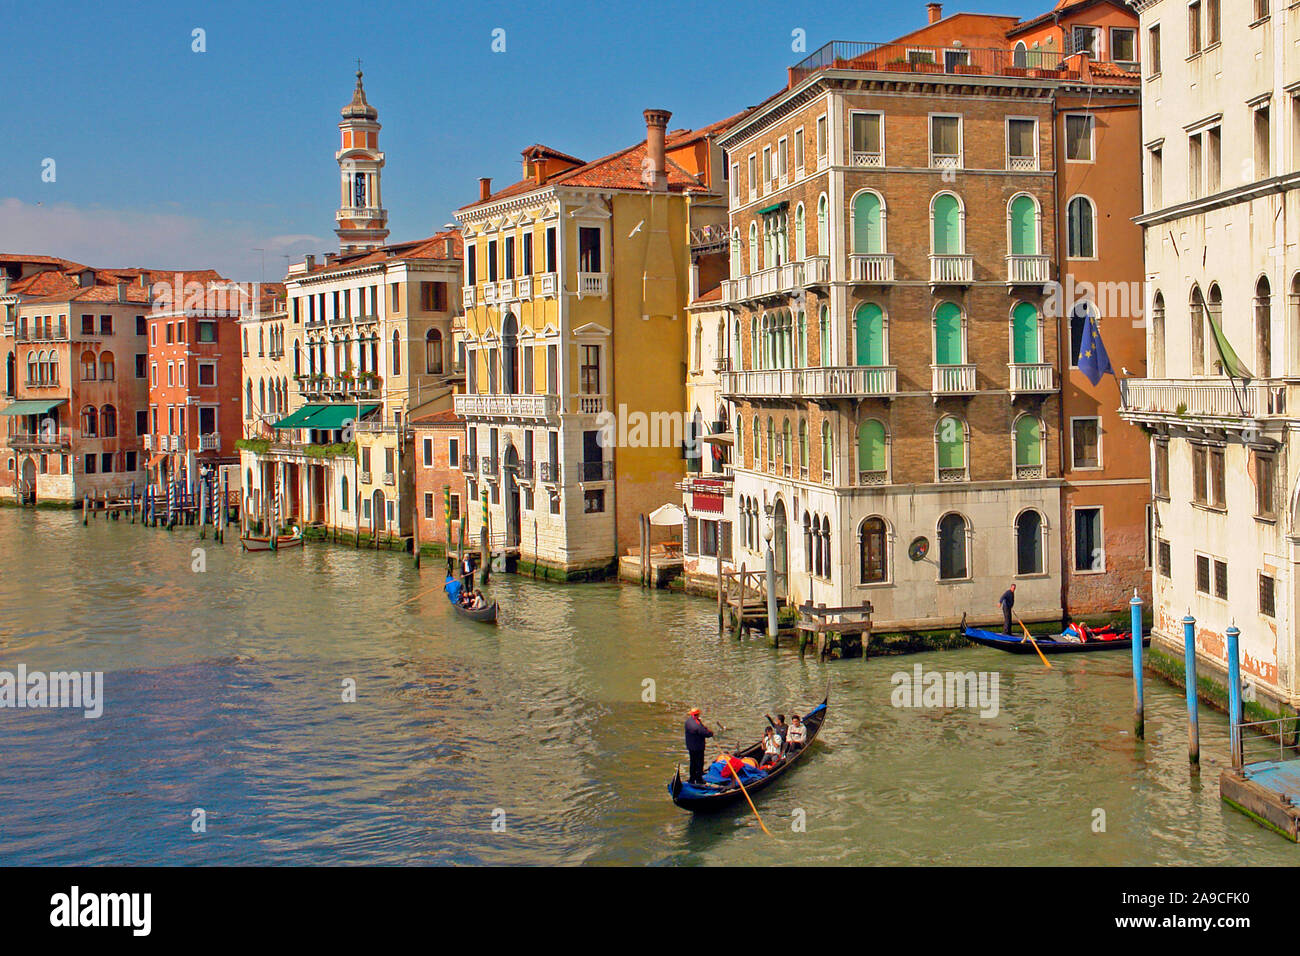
1189,665
1135,629
1234,695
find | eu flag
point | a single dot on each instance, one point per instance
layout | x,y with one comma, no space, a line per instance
1093,360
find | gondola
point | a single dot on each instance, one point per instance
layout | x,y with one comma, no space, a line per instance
483,615
710,797
1048,645
283,541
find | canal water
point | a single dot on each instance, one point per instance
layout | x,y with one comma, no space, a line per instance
532,743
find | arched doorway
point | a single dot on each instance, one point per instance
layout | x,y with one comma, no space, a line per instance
377,516
510,478
29,481
780,550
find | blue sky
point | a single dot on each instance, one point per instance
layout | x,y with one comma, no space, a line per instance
168,158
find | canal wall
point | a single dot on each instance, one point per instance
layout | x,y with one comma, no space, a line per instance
1166,661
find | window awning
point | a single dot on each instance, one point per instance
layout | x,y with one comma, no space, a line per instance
326,417
32,407
772,208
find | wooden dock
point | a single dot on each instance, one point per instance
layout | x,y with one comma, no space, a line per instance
742,600
830,629
1264,782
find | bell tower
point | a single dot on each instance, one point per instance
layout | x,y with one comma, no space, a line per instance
362,222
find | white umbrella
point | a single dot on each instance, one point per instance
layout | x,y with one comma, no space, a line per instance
667,515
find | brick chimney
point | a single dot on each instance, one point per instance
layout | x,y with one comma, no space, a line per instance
311,263
484,188
449,247
655,172
935,11
144,280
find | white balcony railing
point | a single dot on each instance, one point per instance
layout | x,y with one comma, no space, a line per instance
863,157
148,442
876,268
951,269
945,160
546,284
476,405
785,279
524,287
1211,398
1037,377
591,404
1028,270
851,380
210,441
490,293
505,290
952,379
467,296
816,270
1022,164
593,283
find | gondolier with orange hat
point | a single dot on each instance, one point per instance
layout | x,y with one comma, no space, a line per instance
696,735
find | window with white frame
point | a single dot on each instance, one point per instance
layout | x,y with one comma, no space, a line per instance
1079,130
798,151
753,176
1022,144
867,144
945,141
821,140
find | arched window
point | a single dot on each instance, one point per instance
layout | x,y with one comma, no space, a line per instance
873,539
868,224
808,560
757,450
753,247
823,226
106,367
432,352
1196,320
1029,543
737,254
953,564
1020,56
1263,328
950,448
771,442
89,366
1078,323
873,460
786,446
1081,225
826,546
248,398
1028,435
397,354
51,374
803,446
1158,335
946,233
261,394
108,422
1213,313
90,422
948,338
1022,226
1026,343
343,493
827,450
869,334
800,233
35,368
824,336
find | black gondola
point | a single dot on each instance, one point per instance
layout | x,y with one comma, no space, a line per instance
1018,645
710,797
483,615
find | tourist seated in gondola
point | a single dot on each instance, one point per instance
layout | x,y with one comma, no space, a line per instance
771,749
479,602
779,728
796,736
455,590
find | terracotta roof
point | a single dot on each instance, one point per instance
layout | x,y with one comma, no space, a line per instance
434,247
98,293
683,137
538,151
1056,11
49,282
713,295
65,264
445,417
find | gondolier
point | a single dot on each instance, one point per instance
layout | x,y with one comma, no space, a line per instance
696,735
1007,601
467,573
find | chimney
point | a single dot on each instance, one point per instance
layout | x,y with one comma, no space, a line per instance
144,280
4,284
484,188
121,291
449,247
655,172
935,10
311,263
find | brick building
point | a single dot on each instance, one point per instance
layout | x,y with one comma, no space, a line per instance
439,439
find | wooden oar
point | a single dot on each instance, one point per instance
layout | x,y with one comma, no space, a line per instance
736,774
1029,637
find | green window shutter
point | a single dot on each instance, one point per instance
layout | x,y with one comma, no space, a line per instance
869,330
952,443
1029,440
867,236
825,338
1024,234
947,334
1024,334
871,446
947,226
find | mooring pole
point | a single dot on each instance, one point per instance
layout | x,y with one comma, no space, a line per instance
769,572
1234,695
1189,668
1135,629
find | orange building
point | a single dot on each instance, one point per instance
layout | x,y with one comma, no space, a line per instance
439,440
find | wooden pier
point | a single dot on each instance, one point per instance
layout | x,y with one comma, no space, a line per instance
830,629
742,599
1264,781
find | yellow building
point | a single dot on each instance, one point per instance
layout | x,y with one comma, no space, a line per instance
576,284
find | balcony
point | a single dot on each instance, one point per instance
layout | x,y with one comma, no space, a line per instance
593,283
467,296
505,290
365,477
938,61
467,464
532,407
871,158
595,471
549,472
591,404
1217,400
851,381
874,269
41,441
1035,379
945,160
524,287
873,477
488,466
546,284
1028,270
1030,472
210,441
951,270
389,479
952,380
489,293
147,442
524,470
783,280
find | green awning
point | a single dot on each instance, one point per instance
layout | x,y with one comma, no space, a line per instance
325,417
33,407
772,208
